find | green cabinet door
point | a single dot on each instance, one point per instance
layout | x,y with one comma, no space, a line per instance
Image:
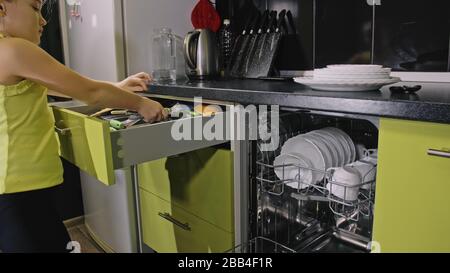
412,203
200,182
168,228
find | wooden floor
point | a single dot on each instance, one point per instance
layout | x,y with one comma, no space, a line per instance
79,234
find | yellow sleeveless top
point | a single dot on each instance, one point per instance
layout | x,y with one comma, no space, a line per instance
29,153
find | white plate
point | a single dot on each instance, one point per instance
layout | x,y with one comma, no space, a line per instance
357,67
333,151
320,75
326,153
351,77
329,71
308,150
345,145
340,149
349,141
345,85
304,175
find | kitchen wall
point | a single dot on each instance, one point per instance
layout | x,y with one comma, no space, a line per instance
403,34
141,17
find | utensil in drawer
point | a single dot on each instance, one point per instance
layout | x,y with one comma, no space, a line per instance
120,112
116,124
133,120
101,112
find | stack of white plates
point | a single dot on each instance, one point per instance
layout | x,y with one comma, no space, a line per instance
314,153
346,77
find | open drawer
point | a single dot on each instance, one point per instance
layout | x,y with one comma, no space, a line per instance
88,142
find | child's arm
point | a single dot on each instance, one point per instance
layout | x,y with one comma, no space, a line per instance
24,59
135,83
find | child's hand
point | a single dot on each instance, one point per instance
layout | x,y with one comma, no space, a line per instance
152,111
136,83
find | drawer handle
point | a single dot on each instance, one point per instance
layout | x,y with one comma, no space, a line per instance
62,131
169,218
441,153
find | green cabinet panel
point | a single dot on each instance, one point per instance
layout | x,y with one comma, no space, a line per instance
200,182
86,142
170,229
412,206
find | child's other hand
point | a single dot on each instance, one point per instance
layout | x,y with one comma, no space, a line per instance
136,83
152,111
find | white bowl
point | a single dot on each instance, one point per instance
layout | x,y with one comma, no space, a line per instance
344,183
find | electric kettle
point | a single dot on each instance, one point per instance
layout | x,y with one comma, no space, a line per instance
201,54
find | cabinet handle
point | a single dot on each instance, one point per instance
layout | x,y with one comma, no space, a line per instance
441,153
62,131
169,218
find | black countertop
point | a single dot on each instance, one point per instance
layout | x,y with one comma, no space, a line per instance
432,103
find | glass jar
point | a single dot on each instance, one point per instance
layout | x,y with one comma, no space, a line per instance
164,55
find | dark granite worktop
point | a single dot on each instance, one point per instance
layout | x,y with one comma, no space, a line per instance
432,103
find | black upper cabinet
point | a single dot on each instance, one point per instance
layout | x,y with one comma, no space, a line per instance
413,35
407,35
343,32
296,49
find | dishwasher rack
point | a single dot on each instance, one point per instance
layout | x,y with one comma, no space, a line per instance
294,213
322,191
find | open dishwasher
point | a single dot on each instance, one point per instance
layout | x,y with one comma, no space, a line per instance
289,213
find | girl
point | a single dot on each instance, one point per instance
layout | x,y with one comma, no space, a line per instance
30,167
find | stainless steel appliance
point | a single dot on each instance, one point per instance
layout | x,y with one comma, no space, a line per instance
290,219
201,54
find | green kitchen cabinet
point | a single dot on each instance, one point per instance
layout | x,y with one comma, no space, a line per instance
88,143
412,205
201,182
168,228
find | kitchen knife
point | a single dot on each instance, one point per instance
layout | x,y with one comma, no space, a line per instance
239,41
257,58
291,22
254,40
242,50
270,49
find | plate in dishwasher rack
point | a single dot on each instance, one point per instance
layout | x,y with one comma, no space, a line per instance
350,85
308,150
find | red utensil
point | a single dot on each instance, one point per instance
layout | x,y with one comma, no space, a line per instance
205,16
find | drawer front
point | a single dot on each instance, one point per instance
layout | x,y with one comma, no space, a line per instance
170,229
88,143
200,182
412,206
154,141
85,142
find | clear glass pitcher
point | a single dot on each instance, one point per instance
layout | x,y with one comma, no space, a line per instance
164,55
